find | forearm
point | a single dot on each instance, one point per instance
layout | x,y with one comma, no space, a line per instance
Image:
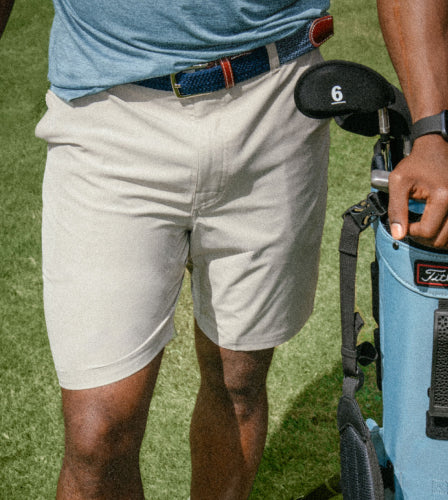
5,11
416,35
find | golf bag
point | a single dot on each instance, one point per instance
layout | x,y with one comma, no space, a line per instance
406,458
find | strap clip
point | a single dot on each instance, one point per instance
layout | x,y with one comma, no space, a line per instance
366,211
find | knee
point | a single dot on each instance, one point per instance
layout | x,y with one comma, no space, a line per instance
235,380
101,443
247,398
243,396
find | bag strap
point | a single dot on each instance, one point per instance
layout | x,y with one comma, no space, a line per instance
360,470
356,219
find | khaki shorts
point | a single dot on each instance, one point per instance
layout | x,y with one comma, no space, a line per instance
138,182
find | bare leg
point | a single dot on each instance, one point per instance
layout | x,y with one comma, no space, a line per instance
229,425
104,428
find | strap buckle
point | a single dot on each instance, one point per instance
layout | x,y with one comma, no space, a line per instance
366,211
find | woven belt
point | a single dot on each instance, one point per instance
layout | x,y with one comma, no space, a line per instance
224,73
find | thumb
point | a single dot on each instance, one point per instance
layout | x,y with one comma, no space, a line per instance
397,230
398,207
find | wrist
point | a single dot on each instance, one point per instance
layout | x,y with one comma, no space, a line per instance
431,146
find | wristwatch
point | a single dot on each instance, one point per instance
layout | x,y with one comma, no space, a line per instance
435,124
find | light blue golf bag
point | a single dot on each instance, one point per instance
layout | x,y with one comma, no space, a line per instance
413,323
405,456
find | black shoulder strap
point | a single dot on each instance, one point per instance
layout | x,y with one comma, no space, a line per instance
356,219
360,470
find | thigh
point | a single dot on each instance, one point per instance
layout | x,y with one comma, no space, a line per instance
111,419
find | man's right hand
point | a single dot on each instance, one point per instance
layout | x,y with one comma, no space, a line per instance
423,175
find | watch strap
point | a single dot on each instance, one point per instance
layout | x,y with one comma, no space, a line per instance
434,124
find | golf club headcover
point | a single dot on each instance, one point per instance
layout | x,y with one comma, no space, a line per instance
335,88
367,123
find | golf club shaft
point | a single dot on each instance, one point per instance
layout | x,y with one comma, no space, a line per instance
384,126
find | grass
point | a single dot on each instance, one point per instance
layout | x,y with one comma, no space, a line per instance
305,380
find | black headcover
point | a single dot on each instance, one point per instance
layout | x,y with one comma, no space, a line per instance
367,123
335,88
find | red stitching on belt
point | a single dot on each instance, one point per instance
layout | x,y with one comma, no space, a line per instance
227,71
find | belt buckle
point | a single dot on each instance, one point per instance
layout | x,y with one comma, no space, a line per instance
177,87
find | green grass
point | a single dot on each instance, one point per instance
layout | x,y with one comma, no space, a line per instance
305,380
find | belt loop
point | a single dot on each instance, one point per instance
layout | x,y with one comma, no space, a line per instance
274,60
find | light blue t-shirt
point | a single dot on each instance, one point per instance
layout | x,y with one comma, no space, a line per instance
97,44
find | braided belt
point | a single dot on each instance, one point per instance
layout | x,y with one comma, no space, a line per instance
202,79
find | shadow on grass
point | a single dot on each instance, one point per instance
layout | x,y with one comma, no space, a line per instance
303,453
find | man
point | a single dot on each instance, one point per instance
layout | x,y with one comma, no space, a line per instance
139,179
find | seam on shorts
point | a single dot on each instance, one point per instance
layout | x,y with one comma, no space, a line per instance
210,156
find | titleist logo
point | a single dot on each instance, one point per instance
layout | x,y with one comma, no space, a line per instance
431,274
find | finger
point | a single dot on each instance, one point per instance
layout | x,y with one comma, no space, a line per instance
442,238
433,219
439,239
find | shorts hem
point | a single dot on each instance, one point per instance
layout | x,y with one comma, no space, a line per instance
97,377
274,340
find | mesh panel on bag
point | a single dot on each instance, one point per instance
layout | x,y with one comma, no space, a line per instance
437,416
360,471
357,480
441,369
